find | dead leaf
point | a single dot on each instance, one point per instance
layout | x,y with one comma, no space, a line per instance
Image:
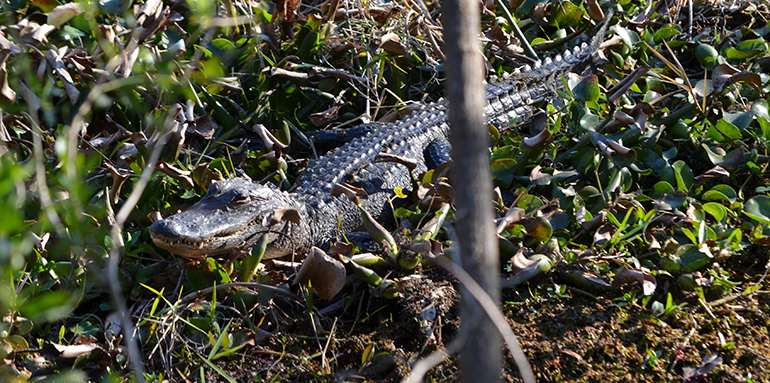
520,262
709,363
285,214
513,216
155,216
40,242
595,10
401,112
8,44
410,163
54,58
537,140
503,40
626,275
64,13
713,173
325,117
619,120
204,126
35,34
203,175
342,249
118,180
64,352
525,268
354,194
725,75
442,189
593,223
604,234
572,354
183,176
391,43
247,336
6,92
620,149
271,142
641,113
326,274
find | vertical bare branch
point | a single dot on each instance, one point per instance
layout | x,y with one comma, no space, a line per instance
481,358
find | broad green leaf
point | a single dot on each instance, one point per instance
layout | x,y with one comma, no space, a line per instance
758,208
629,37
587,89
746,49
530,202
589,121
760,108
524,8
724,131
727,190
691,257
684,176
720,193
539,228
716,210
702,232
764,124
565,13
741,120
666,32
661,188
45,5
733,159
674,199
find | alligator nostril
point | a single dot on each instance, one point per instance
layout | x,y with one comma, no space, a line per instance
164,228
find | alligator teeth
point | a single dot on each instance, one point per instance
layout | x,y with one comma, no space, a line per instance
548,61
583,46
538,64
576,50
527,68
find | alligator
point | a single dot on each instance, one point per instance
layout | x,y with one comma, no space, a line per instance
235,213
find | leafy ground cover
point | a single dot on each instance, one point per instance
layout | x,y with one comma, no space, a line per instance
634,212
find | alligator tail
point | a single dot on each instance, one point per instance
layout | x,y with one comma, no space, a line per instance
510,99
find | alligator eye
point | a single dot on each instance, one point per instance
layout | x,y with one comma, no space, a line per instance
240,198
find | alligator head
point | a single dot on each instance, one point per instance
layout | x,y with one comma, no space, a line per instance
232,216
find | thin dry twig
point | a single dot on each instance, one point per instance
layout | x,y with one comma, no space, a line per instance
493,311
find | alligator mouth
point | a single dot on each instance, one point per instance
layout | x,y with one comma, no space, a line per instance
186,246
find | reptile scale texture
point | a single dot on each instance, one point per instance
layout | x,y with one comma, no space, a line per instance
233,214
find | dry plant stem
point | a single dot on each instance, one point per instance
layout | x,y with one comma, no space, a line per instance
45,194
328,342
493,312
707,308
434,359
515,27
313,319
112,268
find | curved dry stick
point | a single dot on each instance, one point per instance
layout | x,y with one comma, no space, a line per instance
494,313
